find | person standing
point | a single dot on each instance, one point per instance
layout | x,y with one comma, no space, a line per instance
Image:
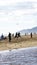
31,34
9,37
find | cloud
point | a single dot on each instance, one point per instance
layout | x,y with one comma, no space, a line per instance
10,2
17,16
23,5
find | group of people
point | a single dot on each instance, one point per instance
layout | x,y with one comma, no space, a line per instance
16,36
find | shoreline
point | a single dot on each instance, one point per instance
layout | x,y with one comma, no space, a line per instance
18,49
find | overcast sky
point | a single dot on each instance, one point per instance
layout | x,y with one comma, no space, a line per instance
16,15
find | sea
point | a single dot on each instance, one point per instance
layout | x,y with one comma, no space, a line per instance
22,56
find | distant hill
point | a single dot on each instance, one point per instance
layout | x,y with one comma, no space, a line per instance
33,30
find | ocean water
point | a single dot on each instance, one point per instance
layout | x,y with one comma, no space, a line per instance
23,56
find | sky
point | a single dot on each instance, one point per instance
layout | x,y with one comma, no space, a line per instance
16,15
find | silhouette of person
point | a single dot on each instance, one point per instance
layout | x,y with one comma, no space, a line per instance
19,34
16,35
31,34
9,37
2,36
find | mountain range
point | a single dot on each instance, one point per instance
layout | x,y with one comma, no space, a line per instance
33,30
